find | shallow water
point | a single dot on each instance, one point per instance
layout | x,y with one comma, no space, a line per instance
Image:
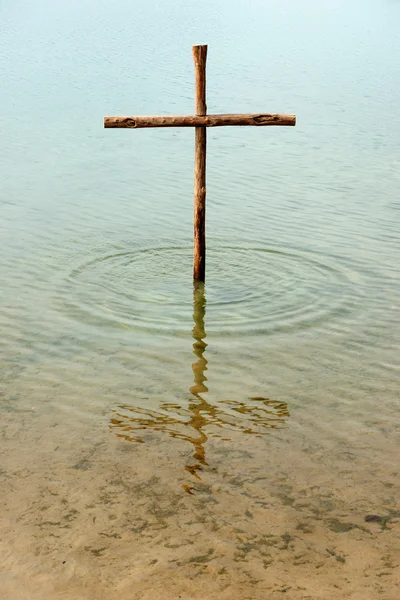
228,441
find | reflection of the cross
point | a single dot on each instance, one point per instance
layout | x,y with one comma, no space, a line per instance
253,416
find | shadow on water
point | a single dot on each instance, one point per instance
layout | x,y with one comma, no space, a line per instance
200,419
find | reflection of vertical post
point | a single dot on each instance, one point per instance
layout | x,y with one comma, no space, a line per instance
200,409
199,334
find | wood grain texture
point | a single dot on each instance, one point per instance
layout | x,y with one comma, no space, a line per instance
200,58
199,262
256,120
199,256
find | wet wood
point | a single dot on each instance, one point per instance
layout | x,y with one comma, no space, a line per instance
256,119
199,255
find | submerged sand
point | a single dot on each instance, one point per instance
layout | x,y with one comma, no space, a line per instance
86,514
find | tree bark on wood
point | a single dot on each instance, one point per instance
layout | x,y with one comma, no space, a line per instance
199,258
256,119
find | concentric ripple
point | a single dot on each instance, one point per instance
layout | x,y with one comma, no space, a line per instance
251,289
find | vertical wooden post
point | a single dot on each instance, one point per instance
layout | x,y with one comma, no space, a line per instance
199,263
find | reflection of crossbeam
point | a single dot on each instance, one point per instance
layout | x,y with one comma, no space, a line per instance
256,418
270,415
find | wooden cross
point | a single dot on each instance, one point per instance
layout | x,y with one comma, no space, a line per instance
200,121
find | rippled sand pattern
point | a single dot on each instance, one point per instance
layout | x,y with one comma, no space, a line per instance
110,518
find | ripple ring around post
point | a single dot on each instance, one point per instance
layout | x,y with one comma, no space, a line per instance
249,290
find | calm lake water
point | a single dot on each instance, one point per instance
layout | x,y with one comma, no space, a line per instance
225,442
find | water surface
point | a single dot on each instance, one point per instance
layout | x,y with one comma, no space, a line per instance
220,442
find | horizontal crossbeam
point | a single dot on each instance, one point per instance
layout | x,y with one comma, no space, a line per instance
259,120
